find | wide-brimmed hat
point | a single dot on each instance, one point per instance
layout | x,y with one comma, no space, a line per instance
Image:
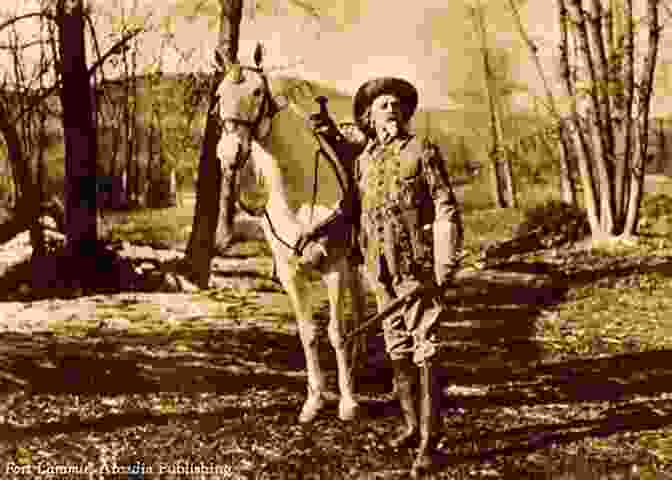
407,93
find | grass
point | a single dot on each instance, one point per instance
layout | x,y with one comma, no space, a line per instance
167,225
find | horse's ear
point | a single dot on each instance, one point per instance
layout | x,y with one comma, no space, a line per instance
258,54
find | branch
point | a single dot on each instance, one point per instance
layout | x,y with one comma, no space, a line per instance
603,77
32,43
50,90
534,55
114,49
25,16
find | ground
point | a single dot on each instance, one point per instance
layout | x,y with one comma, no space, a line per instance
160,384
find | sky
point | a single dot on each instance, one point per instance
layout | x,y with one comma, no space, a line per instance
429,42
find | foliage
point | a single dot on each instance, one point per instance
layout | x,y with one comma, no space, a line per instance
554,223
166,226
656,215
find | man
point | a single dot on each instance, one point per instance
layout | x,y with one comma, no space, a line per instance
410,234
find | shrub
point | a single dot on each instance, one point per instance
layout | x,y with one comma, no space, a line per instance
656,214
554,223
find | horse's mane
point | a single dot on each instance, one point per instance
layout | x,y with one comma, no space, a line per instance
293,145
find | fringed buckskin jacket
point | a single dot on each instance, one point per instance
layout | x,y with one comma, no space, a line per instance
410,221
400,209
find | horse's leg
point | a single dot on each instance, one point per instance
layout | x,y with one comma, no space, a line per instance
336,281
300,298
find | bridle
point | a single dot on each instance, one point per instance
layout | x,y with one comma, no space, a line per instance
267,110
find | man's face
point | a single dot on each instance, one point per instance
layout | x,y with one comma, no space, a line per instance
387,115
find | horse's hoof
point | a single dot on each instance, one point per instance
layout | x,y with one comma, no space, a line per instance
423,464
348,410
407,438
311,408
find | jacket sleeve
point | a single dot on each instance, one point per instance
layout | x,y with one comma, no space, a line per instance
347,141
447,227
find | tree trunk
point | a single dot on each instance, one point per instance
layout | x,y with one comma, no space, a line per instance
37,238
211,221
14,154
646,87
502,180
596,123
510,186
79,132
567,187
577,136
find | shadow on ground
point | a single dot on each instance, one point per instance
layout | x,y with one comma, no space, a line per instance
490,353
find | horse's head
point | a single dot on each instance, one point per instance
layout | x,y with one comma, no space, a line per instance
245,104
245,107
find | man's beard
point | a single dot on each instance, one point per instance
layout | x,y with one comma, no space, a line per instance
388,129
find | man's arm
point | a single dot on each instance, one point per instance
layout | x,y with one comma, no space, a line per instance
447,227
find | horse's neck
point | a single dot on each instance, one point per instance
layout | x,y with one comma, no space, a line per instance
278,207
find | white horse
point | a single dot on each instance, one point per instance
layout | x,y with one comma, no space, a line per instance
246,108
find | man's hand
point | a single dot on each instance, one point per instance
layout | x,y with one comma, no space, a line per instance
313,256
320,122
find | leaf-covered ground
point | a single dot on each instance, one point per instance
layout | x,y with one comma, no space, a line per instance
208,385
556,365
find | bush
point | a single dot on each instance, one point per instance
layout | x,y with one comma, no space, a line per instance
656,214
554,223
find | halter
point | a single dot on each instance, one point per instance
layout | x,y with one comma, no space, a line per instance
269,107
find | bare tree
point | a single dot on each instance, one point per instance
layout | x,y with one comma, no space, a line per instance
502,172
23,119
214,212
567,187
609,119
79,129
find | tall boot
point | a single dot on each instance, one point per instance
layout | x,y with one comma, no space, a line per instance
404,385
428,421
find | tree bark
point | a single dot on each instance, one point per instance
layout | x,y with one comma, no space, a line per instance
579,139
79,132
567,187
210,220
646,87
596,124
623,167
499,186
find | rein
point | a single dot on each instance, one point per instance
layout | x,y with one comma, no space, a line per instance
268,110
